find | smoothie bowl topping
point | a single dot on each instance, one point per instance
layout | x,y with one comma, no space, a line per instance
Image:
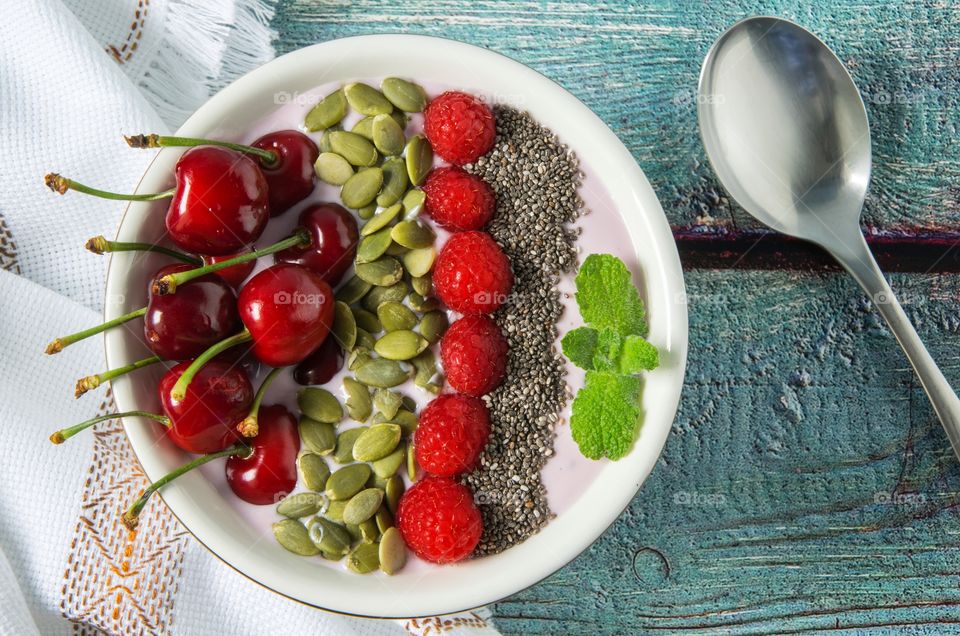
402,318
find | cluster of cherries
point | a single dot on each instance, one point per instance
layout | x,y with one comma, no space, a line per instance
223,197
437,516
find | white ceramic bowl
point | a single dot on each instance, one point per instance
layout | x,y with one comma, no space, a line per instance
210,514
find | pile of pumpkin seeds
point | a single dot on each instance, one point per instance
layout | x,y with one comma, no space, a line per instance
385,319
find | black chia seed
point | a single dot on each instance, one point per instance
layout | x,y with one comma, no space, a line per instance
535,178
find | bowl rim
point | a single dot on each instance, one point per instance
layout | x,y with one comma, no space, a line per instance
671,279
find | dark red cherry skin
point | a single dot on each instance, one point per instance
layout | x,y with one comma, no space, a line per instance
218,398
270,471
321,365
220,203
183,325
235,274
242,356
333,242
293,177
288,310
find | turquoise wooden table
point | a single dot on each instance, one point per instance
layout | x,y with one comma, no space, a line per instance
806,484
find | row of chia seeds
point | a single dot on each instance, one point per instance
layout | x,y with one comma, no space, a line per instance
536,179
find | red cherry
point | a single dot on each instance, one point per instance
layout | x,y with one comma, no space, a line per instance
321,365
292,178
235,274
220,203
333,242
184,325
288,310
218,398
270,471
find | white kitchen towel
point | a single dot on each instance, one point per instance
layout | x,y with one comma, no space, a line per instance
74,76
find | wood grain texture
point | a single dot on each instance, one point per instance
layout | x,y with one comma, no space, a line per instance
806,484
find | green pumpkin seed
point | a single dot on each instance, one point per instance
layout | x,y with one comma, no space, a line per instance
401,118
328,111
353,290
364,558
381,373
419,262
394,490
433,325
395,182
369,532
354,530
358,402
413,234
303,504
387,135
319,437
367,100
348,481
367,211
406,96
330,537
392,551
413,204
324,144
411,462
377,442
409,404
334,510
419,157
343,451
397,250
400,345
332,168
387,402
364,128
344,326
363,506
387,467
320,404
425,367
374,246
362,188
380,220
406,420
421,304
356,149
384,520
395,316
293,536
379,295
314,470
422,285
383,272
365,340
367,320
359,356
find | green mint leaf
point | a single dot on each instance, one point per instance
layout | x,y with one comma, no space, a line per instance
606,414
637,355
607,297
579,346
609,344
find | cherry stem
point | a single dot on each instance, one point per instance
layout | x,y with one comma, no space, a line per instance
132,515
93,381
65,341
179,390
61,184
66,433
268,158
168,284
100,245
250,426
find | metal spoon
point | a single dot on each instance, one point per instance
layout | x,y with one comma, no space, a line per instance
786,132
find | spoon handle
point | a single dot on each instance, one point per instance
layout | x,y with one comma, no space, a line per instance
856,257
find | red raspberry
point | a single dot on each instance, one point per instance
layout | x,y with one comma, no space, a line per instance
474,355
472,274
458,200
438,520
459,127
451,435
